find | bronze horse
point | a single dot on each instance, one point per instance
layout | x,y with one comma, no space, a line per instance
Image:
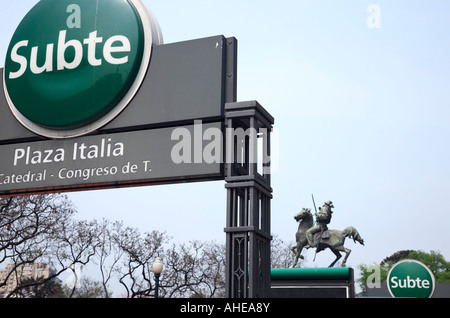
335,240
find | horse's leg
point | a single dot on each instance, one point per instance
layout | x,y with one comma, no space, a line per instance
298,255
347,253
345,250
293,249
338,256
299,252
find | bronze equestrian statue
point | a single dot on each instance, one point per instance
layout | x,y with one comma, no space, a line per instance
319,236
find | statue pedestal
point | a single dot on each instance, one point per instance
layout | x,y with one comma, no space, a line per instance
312,282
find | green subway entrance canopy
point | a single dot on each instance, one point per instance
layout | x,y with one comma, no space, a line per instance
80,63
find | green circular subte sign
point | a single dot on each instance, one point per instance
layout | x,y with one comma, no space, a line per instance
73,65
411,278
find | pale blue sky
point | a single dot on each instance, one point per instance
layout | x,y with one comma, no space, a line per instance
362,115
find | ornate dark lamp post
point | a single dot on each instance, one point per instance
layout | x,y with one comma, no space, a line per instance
157,268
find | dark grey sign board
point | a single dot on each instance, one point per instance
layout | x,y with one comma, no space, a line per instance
185,81
143,157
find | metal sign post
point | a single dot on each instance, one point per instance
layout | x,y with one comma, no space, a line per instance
249,194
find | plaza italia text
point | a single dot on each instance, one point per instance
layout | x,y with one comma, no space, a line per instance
80,151
29,156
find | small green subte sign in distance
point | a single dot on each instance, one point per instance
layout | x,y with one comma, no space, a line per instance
411,278
72,66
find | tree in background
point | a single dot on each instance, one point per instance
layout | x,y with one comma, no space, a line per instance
33,288
41,229
86,288
435,262
396,257
281,255
28,228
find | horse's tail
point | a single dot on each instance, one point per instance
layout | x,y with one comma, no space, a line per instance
353,233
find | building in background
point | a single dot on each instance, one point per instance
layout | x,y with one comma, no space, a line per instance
25,271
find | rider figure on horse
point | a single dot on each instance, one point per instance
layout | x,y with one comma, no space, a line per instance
323,217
